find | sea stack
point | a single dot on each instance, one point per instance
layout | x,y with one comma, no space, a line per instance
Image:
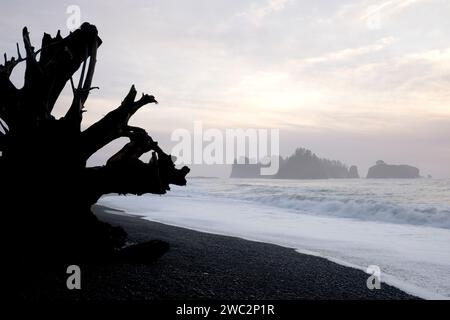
245,169
353,172
385,171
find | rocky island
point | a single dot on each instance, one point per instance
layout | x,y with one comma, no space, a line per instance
303,164
383,170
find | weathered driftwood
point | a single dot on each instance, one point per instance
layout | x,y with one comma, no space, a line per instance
46,189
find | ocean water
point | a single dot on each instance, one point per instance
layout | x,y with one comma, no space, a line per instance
402,226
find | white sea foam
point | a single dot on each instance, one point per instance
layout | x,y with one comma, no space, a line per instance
418,202
323,218
360,209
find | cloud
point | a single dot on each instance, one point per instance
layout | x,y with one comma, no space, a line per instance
351,53
258,12
421,77
373,13
389,8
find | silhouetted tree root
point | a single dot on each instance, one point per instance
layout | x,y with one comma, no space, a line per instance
46,189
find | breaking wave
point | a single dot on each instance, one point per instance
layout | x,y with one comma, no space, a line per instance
361,209
395,205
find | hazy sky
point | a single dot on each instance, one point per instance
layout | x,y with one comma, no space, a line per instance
355,81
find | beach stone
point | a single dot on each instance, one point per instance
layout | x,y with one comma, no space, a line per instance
146,252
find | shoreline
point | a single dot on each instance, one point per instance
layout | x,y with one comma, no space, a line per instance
412,257
204,266
345,282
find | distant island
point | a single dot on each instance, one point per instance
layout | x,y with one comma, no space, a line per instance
303,164
383,170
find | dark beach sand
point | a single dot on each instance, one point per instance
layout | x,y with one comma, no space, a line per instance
206,266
